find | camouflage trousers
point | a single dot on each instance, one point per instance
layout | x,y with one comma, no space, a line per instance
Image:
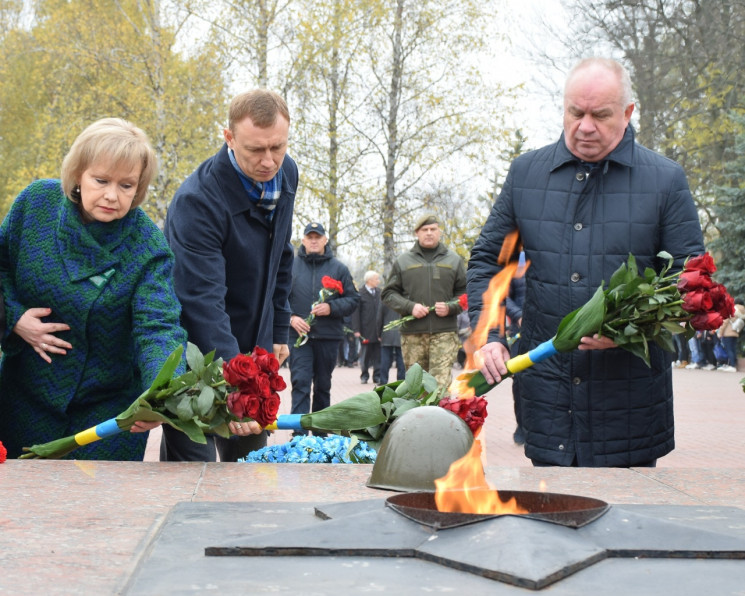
435,353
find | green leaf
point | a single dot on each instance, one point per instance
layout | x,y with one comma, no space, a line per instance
204,401
354,413
388,395
403,388
429,383
191,428
403,405
630,329
586,320
166,372
194,358
414,379
184,411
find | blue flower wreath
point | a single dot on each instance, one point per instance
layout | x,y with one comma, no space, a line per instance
313,450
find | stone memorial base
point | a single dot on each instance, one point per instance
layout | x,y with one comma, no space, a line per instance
70,527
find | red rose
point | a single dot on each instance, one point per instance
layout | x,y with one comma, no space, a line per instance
451,403
277,383
463,301
239,370
707,321
472,410
266,361
268,410
724,304
263,386
3,453
694,280
332,284
703,263
697,300
244,405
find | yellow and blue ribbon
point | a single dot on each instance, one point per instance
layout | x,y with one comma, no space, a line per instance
100,431
538,354
286,422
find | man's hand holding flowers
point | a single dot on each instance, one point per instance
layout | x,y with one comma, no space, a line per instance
419,311
320,308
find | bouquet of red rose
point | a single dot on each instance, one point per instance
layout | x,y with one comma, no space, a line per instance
330,287
204,399
633,311
462,300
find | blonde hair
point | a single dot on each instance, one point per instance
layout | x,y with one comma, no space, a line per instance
260,105
114,140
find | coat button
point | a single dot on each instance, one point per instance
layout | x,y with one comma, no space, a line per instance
576,380
569,412
578,226
575,277
561,447
580,176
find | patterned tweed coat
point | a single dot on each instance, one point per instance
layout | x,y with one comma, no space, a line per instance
112,284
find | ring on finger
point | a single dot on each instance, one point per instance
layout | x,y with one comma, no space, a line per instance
43,346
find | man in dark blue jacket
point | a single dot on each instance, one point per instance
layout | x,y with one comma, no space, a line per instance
580,207
229,226
314,359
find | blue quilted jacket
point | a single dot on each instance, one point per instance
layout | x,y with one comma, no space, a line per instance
606,408
112,284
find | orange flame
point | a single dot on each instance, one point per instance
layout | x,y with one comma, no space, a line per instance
492,313
493,309
464,488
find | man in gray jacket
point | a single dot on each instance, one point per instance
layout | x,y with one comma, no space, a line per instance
580,206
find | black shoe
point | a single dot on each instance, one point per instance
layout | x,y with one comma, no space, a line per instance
518,436
364,380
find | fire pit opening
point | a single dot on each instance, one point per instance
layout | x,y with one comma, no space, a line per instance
566,510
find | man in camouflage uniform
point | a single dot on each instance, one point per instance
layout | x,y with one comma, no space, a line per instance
429,276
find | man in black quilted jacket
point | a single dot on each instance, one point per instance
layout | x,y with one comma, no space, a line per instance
580,206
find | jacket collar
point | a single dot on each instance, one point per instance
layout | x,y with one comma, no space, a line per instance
88,248
235,193
439,249
622,154
327,254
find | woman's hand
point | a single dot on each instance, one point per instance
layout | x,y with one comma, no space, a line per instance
140,426
243,429
39,335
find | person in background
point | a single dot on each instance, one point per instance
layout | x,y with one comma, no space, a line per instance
729,334
428,275
365,325
390,346
91,310
580,206
707,342
230,226
698,358
682,351
313,362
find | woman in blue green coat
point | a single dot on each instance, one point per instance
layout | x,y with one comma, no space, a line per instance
91,314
